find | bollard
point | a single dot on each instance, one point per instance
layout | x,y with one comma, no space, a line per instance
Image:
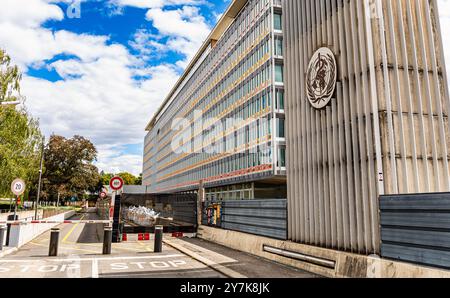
158,239
8,227
107,238
2,236
54,241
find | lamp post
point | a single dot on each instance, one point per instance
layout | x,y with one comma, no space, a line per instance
40,179
10,103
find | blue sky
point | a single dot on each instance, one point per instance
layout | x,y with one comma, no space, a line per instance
104,74
101,69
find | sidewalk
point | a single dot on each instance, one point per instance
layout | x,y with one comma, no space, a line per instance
7,250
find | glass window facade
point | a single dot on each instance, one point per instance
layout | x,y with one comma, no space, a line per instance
277,21
279,73
226,102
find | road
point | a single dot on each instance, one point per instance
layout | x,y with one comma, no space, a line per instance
80,256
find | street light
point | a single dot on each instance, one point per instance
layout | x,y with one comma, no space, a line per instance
11,103
40,179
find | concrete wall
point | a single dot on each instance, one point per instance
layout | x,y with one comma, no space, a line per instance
346,264
22,214
25,232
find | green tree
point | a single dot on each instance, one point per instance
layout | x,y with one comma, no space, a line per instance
10,78
20,138
69,167
104,178
139,180
128,179
20,135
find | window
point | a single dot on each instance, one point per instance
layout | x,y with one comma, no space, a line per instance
282,157
277,21
278,47
279,73
280,128
279,100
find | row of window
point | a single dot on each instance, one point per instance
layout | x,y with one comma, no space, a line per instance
214,81
229,164
205,76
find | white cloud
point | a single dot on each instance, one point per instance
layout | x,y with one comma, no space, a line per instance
112,160
154,3
185,28
29,13
99,96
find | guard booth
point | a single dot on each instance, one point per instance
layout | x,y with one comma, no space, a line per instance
134,207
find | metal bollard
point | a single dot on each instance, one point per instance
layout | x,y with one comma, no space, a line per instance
2,236
107,238
54,241
158,239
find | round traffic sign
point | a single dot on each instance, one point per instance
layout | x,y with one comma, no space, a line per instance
103,195
18,187
116,183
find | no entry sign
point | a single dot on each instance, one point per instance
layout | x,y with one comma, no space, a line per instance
116,183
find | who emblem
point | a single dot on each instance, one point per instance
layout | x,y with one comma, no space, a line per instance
321,78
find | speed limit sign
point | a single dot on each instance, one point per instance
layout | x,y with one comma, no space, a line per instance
116,183
103,195
18,187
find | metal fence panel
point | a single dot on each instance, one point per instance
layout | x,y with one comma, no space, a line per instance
260,217
416,228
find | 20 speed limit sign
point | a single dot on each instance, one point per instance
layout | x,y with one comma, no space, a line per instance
116,183
18,187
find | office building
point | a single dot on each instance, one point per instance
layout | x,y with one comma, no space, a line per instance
222,125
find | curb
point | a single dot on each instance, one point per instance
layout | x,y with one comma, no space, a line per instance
8,251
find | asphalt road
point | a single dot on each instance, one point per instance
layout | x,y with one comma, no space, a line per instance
80,255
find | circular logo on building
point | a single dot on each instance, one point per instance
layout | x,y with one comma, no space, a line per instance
321,78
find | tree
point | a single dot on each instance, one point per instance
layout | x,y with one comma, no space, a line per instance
69,167
20,135
128,179
139,180
104,178
20,138
10,78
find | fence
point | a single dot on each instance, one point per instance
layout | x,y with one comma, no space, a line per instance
416,228
260,217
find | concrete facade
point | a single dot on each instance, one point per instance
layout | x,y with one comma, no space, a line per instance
344,264
386,128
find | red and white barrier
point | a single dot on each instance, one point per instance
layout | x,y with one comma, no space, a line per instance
18,222
137,237
150,236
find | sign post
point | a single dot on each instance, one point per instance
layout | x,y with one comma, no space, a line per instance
17,188
116,184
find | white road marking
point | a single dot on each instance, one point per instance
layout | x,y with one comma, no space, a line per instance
91,259
95,268
210,263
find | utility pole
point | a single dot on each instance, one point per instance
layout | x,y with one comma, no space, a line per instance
57,202
15,207
40,179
